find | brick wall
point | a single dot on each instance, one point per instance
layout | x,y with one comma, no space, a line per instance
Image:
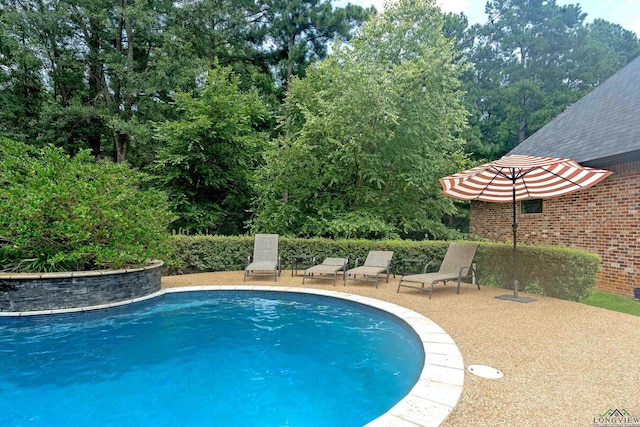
604,219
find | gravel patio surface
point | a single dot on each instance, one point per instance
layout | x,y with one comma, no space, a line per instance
564,363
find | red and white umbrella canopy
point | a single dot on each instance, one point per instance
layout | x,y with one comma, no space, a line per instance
533,178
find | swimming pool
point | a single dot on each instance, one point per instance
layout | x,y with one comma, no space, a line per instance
261,379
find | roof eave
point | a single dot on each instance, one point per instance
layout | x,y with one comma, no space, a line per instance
603,162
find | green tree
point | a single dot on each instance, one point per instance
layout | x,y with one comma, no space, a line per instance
532,60
601,50
227,33
208,154
367,134
106,69
526,45
23,93
300,30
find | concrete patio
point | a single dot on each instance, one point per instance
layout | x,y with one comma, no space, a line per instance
564,363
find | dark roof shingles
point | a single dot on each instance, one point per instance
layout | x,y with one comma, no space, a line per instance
605,123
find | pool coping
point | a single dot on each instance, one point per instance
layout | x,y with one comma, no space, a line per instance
427,404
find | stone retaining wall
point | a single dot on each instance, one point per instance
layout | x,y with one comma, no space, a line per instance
24,292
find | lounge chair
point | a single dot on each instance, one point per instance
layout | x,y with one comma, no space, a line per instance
327,270
377,262
456,265
265,260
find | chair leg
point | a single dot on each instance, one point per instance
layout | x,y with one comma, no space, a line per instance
431,290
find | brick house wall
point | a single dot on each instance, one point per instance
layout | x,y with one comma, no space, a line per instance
604,219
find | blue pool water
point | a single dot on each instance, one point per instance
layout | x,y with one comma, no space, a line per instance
207,359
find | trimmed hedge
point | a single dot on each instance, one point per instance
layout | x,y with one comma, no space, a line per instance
553,271
195,254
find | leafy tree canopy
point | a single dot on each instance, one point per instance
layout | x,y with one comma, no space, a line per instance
208,154
530,61
367,134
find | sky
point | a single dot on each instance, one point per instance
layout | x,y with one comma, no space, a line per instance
623,12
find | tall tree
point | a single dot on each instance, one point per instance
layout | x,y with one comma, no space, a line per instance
532,60
602,49
524,49
91,61
94,73
299,31
68,106
367,133
208,155
224,32
23,91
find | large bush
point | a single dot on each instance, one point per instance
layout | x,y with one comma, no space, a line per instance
62,213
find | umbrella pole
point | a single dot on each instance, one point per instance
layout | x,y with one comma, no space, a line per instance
515,296
515,249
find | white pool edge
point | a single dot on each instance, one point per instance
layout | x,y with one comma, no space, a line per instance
427,404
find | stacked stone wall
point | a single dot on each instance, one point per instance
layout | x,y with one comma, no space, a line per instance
58,291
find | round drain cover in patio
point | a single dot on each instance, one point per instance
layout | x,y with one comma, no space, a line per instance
485,371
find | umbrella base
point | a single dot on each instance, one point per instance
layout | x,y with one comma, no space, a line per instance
510,297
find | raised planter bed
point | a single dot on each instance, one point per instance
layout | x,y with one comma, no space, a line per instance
27,292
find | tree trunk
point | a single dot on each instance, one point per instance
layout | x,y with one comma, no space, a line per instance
521,129
92,34
121,140
121,144
523,100
292,43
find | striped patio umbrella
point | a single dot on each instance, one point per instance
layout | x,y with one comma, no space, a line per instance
517,177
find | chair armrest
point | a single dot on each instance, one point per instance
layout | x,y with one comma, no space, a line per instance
469,272
426,266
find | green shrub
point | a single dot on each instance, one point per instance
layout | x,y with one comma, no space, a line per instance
197,254
554,271
62,213
545,270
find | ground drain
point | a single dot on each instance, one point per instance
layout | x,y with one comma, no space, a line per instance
485,371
